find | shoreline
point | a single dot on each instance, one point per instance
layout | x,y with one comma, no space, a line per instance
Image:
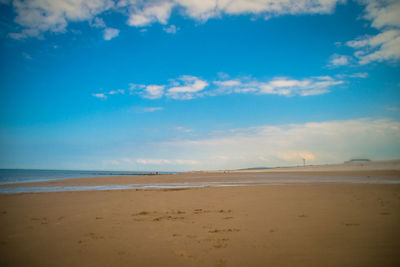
208,179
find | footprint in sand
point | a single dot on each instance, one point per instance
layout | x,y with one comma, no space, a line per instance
43,220
198,211
141,213
223,230
352,224
157,219
183,253
170,218
225,211
175,212
221,243
94,236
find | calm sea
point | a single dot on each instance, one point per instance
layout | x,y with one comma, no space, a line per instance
11,176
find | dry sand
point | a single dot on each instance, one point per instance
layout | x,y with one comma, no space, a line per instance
265,225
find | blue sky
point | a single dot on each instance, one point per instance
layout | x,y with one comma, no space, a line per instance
185,85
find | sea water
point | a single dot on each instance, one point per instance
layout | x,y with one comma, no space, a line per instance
17,176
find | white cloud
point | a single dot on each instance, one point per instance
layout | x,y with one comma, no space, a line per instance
279,86
153,11
189,87
40,16
279,145
154,91
381,47
268,145
106,94
116,92
97,23
186,87
228,83
277,7
152,109
171,29
382,13
100,95
358,43
110,33
159,11
183,88
147,91
143,14
339,60
358,75
385,46
361,75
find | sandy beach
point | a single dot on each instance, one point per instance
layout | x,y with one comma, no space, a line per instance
200,133
332,224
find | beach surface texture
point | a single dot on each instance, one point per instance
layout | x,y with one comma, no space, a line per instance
337,215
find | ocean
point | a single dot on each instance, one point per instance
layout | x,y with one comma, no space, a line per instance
16,176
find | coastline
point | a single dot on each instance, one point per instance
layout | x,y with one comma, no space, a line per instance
384,172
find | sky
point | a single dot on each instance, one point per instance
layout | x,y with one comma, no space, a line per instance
174,85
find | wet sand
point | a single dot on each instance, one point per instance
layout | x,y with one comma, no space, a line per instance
269,225
364,172
242,177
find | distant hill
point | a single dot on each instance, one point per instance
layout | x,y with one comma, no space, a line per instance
357,160
254,168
